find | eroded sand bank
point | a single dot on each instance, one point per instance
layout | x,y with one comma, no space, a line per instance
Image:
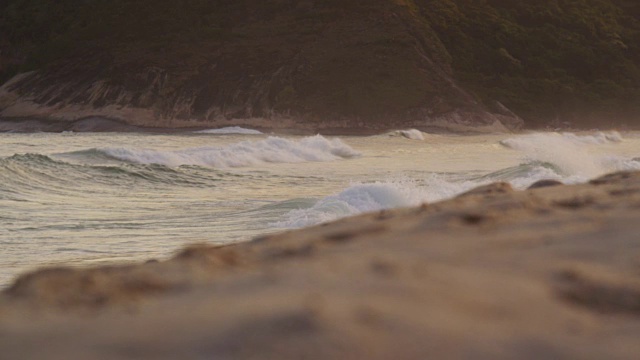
552,272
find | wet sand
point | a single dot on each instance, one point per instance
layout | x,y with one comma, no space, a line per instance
551,272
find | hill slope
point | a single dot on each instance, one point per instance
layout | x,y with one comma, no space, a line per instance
319,64
575,60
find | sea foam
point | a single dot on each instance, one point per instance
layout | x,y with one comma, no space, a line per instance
230,130
245,153
369,197
357,198
565,157
597,138
594,139
568,151
412,134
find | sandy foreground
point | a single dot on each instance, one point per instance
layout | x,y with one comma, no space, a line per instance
547,273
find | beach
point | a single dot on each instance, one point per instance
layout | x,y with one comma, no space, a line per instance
550,272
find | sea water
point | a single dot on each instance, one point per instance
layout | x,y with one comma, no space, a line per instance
78,199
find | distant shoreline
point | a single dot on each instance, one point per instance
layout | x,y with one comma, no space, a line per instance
28,125
103,124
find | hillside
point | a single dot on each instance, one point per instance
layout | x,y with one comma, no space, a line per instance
321,64
572,60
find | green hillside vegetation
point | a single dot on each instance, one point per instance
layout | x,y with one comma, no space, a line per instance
572,60
546,59
343,56
42,32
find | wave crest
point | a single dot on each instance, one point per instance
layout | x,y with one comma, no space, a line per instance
246,153
412,134
231,130
524,142
370,197
567,151
37,171
353,200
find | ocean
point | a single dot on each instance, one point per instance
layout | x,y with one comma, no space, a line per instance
78,199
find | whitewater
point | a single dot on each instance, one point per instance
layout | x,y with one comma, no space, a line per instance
78,199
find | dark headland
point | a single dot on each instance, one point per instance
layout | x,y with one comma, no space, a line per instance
311,65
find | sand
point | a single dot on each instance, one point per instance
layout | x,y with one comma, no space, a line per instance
548,273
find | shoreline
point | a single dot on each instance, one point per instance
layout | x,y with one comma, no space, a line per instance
493,272
28,125
105,124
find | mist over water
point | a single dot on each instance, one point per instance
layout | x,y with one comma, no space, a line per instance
91,198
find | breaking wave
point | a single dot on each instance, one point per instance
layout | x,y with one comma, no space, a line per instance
564,157
526,141
598,138
411,134
246,153
568,152
26,173
369,197
358,198
231,130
